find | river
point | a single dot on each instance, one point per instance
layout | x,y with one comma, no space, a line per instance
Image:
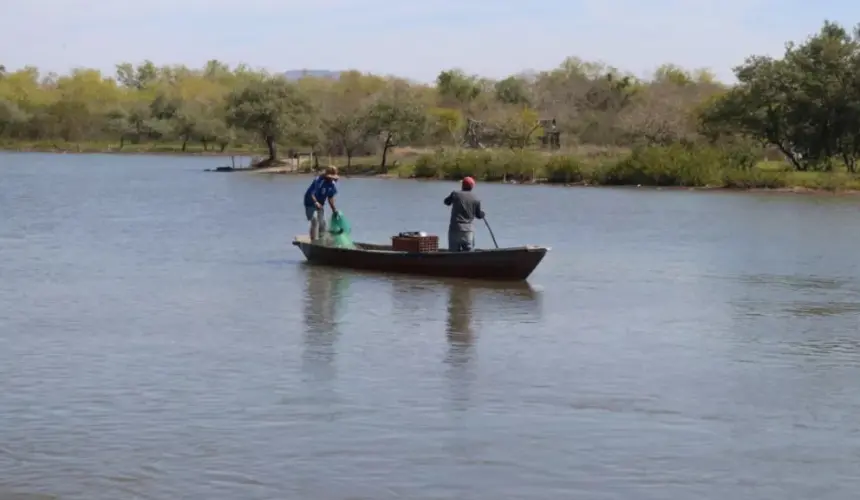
160,338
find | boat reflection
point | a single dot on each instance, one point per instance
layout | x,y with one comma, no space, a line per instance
500,300
324,304
466,301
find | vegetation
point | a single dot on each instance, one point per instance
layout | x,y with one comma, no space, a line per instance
791,121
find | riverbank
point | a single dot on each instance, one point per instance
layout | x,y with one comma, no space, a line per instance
672,167
800,183
657,167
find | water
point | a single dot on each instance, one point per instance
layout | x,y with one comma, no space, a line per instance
161,339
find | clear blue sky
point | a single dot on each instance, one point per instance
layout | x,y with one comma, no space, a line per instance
415,39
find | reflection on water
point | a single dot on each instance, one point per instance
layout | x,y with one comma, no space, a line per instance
805,296
459,325
466,301
325,299
800,283
515,302
460,373
825,309
837,346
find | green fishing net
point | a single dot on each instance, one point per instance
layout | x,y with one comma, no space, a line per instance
339,231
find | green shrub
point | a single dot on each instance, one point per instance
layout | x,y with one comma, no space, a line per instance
426,167
676,165
519,166
753,179
732,166
562,169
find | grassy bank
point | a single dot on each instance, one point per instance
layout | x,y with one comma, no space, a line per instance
672,166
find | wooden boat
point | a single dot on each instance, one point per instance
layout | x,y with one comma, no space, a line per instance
499,264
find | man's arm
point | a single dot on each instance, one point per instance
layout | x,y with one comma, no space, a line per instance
478,212
331,197
449,199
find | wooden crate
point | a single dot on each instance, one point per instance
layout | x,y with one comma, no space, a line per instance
401,243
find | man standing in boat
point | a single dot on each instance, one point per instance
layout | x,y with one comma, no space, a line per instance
465,208
322,188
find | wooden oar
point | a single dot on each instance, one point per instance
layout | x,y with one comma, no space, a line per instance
491,232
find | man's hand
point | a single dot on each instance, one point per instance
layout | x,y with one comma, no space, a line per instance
318,205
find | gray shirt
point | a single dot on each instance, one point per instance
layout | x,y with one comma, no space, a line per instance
465,208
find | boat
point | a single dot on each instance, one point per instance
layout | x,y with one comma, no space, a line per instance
494,264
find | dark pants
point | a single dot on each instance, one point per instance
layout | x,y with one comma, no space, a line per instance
460,241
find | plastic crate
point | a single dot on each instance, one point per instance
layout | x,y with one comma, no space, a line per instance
410,243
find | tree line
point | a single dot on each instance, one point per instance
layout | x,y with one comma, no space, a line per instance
804,106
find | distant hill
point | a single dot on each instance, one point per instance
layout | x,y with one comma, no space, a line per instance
295,74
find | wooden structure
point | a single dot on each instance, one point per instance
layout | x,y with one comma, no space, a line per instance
551,138
500,264
478,135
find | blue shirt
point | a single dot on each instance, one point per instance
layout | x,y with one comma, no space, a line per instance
322,189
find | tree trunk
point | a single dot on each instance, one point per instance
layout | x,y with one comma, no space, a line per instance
223,146
850,162
121,141
273,149
184,144
348,157
790,156
205,145
385,147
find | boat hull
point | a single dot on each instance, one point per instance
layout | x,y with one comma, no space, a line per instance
503,264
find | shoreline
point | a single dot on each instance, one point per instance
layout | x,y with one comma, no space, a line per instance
799,190
370,174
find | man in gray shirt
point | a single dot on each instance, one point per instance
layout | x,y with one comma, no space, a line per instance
465,208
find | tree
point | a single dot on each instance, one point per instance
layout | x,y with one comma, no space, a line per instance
515,126
447,126
130,120
272,108
806,104
512,90
458,89
397,117
346,111
82,101
11,117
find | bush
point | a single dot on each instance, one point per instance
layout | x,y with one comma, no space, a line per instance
519,166
676,165
425,167
731,166
482,165
753,179
680,165
563,169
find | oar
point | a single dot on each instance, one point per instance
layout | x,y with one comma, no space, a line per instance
491,232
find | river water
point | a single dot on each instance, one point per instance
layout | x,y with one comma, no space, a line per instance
160,338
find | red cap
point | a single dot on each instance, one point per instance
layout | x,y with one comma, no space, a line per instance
468,181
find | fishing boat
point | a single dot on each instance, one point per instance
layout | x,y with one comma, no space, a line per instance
495,264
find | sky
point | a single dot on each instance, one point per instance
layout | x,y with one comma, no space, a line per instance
414,39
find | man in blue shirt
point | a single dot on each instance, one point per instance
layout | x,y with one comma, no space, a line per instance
321,189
